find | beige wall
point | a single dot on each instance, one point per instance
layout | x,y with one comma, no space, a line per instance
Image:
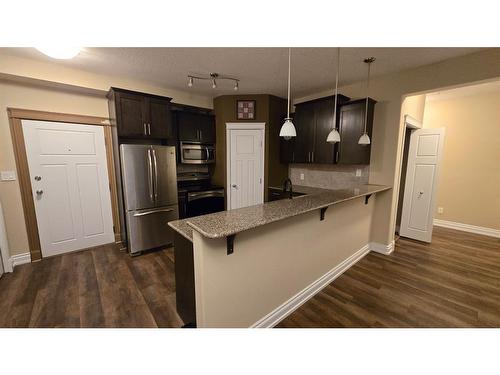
41,86
273,263
389,92
468,187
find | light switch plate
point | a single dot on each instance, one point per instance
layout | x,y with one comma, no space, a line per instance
302,176
358,172
440,210
8,175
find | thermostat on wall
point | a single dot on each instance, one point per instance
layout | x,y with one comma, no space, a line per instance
7,176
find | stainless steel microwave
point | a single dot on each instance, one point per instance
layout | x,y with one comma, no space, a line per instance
196,153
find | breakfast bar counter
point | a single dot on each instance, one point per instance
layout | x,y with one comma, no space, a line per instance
252,266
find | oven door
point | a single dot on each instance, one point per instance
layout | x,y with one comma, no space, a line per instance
205,202
192,153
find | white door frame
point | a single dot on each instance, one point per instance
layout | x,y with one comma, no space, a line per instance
242,126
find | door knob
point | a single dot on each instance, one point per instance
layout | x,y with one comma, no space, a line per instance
39,192
234,186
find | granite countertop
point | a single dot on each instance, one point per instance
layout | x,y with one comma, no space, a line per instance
182,227
227,223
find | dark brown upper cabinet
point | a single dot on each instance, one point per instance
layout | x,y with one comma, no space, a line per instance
139,115
313,121
352,122
195,127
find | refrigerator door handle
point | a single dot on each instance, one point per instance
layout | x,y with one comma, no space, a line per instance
155,181
153,212
150,175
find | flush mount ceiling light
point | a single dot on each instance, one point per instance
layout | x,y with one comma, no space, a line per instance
334,136
287,130
365,138
61,52
213,77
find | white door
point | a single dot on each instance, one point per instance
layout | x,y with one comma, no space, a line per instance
419,202
245,167
69,181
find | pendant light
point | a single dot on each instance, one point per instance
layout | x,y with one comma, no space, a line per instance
287,130
334,136
365,138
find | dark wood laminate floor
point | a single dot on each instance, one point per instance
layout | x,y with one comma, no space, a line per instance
453,282
101,287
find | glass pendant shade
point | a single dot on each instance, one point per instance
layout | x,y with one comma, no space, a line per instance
364,139
333,136
287,130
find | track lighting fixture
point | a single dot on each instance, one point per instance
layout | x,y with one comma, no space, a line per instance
213,77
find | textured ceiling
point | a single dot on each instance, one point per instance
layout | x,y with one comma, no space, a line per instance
260,70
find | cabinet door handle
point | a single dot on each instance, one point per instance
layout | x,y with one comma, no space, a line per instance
337,157
149,129
312,156
145,129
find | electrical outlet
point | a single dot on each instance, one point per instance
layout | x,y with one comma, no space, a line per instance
358,172
302,176
7,175
440,210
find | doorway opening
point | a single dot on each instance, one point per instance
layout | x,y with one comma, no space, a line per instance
100,171
465,199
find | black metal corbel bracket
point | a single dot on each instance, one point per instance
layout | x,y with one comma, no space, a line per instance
367,197
230,244
322,213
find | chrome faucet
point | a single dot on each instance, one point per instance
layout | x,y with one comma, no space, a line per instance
286,184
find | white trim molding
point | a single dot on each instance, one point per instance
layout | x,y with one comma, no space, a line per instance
412,122
468,228
381,248
280,313
18,259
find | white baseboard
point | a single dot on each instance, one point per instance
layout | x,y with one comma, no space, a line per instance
17,260
280,313
468,228
382,249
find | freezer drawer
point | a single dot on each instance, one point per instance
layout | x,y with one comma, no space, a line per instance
148,229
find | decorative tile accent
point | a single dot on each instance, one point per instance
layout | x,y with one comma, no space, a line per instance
245,109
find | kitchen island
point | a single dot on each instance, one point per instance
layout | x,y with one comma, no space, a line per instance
254,265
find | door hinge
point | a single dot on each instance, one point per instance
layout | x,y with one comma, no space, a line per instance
260,180
114,229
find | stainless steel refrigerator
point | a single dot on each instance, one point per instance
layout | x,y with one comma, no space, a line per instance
149,181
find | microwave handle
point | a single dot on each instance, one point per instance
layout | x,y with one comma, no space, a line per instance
210,153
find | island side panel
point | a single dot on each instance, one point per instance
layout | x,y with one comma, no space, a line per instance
272,263
184,280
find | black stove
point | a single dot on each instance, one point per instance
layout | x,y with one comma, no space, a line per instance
197,196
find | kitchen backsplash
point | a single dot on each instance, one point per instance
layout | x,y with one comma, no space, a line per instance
329,176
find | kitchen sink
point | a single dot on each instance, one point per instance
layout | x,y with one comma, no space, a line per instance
277,194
